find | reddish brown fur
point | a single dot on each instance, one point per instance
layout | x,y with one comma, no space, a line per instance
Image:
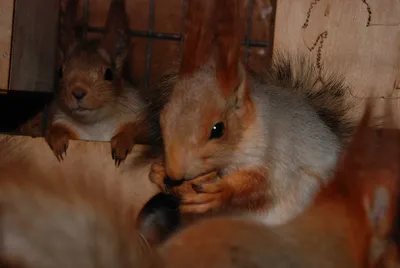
58,138
199,35
214,28
212,51
93,100
245,191
46,205
116,38
230,33
336,231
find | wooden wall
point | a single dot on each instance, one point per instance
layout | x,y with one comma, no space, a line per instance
360,38
34,44
6,16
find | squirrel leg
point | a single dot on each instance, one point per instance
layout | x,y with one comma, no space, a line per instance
58,138
157,175
128,135
241,190
122,143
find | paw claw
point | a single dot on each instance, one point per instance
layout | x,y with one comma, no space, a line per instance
197,188
58,140
121,145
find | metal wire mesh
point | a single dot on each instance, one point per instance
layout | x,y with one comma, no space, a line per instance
150,35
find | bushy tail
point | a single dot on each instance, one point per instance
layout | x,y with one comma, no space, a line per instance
326,92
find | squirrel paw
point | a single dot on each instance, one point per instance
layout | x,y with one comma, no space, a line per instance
208,196
58,141
121,146
157,175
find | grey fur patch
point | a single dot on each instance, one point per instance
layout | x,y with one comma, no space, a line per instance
325,92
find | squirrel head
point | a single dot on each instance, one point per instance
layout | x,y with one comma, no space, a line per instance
210,105
90,78
202,125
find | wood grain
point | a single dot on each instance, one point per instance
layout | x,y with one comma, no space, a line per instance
6,21
359,38
34,44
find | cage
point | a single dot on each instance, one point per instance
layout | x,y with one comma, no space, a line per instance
156,36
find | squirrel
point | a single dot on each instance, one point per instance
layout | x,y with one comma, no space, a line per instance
94,100
258,142
348,224
84,213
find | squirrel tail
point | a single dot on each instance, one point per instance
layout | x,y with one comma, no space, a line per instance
327,93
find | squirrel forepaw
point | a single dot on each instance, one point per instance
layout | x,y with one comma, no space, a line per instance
208,196
58,141
121,146
157,175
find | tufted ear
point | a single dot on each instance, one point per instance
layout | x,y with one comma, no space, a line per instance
66,28
71,31
199,35
116,38
159,218
230,33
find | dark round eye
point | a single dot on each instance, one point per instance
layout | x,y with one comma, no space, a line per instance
108,75
60,73
217,131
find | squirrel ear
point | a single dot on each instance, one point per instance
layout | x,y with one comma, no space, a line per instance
67,36
230,31
241,91
116,38
159,218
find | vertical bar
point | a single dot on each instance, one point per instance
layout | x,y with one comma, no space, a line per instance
248,31
184,10
148,53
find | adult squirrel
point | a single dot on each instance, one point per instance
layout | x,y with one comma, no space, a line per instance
265,138
349,223
95,101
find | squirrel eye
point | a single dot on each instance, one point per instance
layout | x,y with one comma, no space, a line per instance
217,131
108,75
60,73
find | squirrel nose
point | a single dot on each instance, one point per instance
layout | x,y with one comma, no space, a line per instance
79,93
174,174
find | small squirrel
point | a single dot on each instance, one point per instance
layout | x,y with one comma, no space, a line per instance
348,224
94,101
266,138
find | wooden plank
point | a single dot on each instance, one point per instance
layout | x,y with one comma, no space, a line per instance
6,20
359,38
34,44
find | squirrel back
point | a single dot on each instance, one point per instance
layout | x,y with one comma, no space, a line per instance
349,223
82,213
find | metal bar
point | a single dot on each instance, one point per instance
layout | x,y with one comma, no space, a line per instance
173,37
248,31
150,32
